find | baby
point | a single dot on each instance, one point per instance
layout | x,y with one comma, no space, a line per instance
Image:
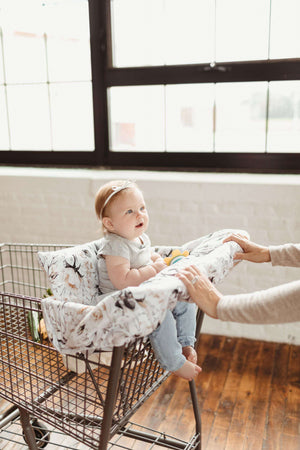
125,259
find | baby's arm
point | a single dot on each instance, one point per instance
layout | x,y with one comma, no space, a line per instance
155,256
159,261
122,276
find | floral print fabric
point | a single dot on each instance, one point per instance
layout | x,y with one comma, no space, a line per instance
82,323
72,272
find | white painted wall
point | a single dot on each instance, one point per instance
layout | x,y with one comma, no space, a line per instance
57,206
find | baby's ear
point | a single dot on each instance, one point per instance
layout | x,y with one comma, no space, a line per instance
107,223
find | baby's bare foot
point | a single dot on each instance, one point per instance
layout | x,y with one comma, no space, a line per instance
188,371
190,353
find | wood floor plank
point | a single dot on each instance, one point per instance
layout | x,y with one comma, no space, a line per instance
277,404
230,390
290,442
291,426
183,421
207,419
218,367
242,407
156,406
208,359
234,441
293,395
260,400
176,407
217,439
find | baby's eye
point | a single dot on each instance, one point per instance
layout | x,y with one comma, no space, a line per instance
129,211
142,208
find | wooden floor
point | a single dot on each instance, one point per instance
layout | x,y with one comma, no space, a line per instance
248,392
249,395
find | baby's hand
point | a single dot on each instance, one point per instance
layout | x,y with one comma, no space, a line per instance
159,264
155,257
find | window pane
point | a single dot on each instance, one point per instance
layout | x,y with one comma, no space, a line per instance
285,30
240,117
137,32
47,41
284,117
189,117
24,56
242,30
68,41
162,32
72,116
29,25
24,47
1,59
69,59
4,139
29,117
189,31
136,118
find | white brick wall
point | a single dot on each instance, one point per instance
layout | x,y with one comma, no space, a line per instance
57,206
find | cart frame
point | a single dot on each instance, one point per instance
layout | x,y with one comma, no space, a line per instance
92,406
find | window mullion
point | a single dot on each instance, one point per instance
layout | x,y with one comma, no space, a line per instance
205,73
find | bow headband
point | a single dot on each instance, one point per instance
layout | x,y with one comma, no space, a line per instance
116,189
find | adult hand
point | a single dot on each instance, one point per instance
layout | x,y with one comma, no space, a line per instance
252,252
200,289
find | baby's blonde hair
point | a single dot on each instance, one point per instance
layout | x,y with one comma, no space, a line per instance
104,192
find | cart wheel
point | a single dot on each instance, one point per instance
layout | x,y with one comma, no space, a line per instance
41,433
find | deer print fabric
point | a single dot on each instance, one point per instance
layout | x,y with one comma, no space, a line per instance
88,323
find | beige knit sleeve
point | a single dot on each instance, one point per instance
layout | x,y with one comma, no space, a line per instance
280,304
285,255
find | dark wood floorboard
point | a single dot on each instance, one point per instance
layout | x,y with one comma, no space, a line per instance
248,392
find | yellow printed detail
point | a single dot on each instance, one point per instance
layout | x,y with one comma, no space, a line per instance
176,255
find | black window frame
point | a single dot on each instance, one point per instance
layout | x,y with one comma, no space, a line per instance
104,76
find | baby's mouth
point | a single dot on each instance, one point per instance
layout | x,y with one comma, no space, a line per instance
139,225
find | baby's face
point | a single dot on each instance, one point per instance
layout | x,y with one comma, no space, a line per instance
128,215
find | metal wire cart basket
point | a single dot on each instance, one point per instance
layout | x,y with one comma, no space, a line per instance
92,404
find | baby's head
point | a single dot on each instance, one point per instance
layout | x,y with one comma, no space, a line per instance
120,207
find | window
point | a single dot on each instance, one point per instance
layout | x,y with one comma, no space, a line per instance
201,84
205,83
46,97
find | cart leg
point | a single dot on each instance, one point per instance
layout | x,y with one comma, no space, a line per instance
199,321
111,395
196,411
28,430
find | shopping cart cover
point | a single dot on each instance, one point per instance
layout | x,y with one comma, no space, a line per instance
134,312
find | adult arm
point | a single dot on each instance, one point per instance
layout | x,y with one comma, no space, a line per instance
279,304
285,255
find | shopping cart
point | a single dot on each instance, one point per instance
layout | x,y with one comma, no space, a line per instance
92,404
